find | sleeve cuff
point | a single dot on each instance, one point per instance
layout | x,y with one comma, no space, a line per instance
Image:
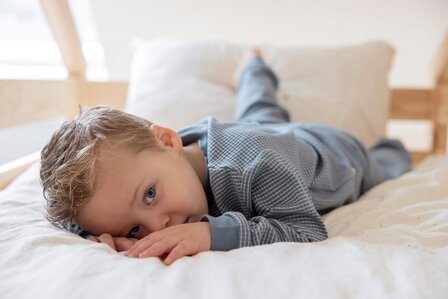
85,234
75,229
225,232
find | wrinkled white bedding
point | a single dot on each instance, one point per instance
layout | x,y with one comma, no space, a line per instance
393,243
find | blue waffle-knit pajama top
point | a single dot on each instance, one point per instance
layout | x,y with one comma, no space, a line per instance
269,180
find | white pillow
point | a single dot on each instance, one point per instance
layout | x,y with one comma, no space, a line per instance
177,82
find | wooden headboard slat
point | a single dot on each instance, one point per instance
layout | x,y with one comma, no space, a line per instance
61,23
32,100
440,63
412,104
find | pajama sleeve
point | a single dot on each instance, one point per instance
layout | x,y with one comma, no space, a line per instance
283,205
73,228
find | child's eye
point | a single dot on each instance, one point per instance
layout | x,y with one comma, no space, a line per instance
150,194
133,231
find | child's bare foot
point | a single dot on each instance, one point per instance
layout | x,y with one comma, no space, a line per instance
247,56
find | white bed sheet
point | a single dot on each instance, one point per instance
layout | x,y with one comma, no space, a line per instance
393,243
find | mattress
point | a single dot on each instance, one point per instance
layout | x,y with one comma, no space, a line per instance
392,243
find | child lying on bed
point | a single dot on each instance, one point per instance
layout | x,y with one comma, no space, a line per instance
153,192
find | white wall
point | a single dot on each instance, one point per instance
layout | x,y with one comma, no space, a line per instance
414,27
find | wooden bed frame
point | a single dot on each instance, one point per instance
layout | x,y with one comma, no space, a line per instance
25,101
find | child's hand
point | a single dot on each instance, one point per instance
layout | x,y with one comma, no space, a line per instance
176,241
116,243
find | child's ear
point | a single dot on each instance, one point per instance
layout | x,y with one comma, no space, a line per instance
168,137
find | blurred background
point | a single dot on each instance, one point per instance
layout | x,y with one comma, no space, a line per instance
106,28
415,28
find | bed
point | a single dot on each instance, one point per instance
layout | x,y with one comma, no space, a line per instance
392,243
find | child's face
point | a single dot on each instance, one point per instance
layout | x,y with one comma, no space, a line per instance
136,194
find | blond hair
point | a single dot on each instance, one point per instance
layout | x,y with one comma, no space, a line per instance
67,169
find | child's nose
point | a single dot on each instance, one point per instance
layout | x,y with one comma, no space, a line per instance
154,225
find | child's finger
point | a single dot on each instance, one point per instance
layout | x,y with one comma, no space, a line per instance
158,248
107,239
93,238
141,245
149,240
179,251
123,244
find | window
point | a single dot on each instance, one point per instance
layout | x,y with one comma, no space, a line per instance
28,49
